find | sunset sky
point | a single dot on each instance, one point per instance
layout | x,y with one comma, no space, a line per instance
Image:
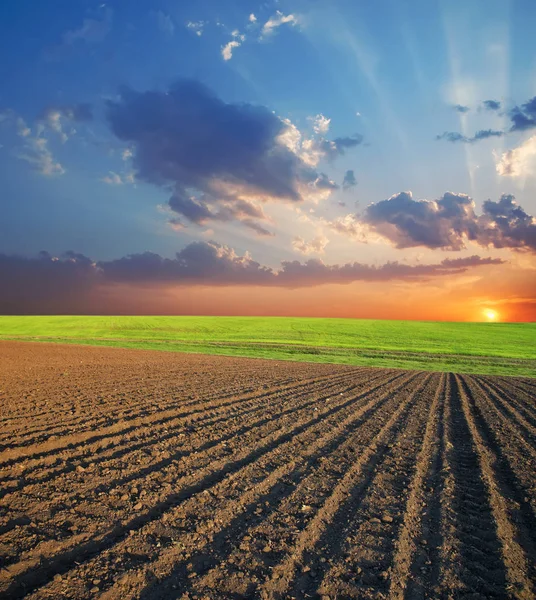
340,158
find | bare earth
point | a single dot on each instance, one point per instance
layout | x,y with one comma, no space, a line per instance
134,474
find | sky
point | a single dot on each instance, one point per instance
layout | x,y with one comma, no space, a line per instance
334,158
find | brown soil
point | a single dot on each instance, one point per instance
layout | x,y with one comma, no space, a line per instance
134,474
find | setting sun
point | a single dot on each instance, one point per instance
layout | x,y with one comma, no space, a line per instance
491,315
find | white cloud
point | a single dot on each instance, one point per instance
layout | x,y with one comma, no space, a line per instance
227,50
252,18
196,27
520,161
278,20
315,246
112,179
350,226
126,154
320,124
35,150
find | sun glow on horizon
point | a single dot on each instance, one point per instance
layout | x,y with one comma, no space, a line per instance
490,315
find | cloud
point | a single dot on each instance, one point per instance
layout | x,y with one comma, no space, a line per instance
92,30
46,284
165,23
320,124
491,104
54,116
453,136
73,283
523,117
460,108
349,180
252,18
227,50
349,225
35,151
316,246
219,161
449,221
276,21
236,42
113,179
196,26
520,161
338,146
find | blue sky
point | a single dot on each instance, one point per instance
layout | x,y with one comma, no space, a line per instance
379,81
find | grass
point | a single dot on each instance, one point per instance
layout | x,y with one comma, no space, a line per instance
485,348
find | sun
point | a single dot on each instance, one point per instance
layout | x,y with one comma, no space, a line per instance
491,315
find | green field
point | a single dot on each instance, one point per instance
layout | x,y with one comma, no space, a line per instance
487,348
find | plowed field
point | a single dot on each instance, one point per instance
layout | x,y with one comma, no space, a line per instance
134,474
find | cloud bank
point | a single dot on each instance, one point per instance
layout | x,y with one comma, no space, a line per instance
54,284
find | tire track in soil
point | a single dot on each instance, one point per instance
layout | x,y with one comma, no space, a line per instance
516,522
30,574
114,484
511,551
517,456
265,513
471,560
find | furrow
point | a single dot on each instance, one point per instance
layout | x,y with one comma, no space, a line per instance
10,457
217,563
29,574
96,453
176,463
414,565
508,416
515,544
508,401
129,414
470,556
354,554
344,500
517,457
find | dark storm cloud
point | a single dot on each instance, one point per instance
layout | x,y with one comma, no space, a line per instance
74,283
451,220
524,116
491,104
454,136
219,160
461,109
349,180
